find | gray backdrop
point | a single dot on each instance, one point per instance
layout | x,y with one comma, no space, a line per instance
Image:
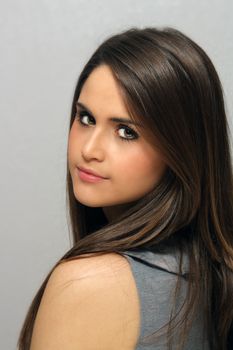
44,45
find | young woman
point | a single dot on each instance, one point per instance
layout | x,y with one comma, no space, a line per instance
149,184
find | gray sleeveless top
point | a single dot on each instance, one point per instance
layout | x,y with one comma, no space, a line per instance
155,276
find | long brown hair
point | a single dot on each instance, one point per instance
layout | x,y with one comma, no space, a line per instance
170,82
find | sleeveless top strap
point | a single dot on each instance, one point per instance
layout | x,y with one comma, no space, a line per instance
156,275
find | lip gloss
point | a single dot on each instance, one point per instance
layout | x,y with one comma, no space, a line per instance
88,177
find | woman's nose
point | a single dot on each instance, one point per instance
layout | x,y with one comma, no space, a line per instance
94,146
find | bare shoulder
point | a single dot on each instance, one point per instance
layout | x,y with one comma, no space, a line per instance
89,303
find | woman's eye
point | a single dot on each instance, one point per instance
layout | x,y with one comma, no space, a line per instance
82,117
126,133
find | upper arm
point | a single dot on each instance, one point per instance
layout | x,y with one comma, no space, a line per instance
88,304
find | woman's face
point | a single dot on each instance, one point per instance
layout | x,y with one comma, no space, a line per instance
116,151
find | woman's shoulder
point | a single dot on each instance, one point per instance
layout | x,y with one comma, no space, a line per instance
89,301
86,265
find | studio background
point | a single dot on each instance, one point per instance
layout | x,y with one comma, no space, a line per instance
44,45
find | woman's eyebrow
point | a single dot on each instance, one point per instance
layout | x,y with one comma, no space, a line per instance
113,119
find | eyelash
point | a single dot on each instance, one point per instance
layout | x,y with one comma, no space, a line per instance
81,114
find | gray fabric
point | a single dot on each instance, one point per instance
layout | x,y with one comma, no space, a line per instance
156,276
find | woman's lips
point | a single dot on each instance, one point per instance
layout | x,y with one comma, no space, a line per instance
90,171
88,177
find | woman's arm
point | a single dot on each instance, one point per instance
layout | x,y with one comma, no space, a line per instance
88,304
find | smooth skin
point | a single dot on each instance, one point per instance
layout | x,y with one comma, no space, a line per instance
131,165
93,303
89,304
